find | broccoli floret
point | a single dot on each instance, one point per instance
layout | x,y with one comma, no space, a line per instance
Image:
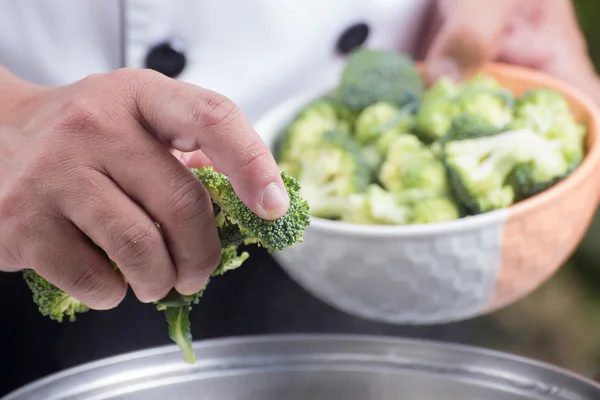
383,142
434,209
330,171
546,169
274,235
547,113
480,168
375,206
376,127
177,307
437,109
372,76
309,126
52,302
236,224
494,107
372,158
412,166
469,126
382,117
480,96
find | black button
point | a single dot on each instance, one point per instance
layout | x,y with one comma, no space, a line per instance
352,38
166,60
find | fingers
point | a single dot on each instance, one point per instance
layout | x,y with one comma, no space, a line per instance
61,254
173,197
547,37
125,232
195,159
467,37
188,118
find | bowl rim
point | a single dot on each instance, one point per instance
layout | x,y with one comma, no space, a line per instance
534,78
358,348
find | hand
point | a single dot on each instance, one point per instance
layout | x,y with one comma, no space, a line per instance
541,34
91,160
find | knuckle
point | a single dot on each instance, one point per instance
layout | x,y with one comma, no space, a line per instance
124,73
214,110
188,202
10,205
136,244
207,260
211,258
201,266
133,77
95,286
134,85
93,78
156,290
78,114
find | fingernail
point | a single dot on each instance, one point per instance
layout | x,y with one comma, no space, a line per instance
274,200
446,67
181,156
187,290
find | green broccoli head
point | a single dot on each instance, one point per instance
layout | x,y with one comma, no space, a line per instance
480,96
437,109
546,169
412,166
376,206
231,259
309,126
481,169
380,118
52,302
330,171
372,158
372,76
177,307
547,113
274,235
236,224
468,126
434,209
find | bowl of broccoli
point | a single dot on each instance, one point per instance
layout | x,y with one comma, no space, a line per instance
435,203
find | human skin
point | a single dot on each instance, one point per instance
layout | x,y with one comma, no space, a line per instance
461,35
93,160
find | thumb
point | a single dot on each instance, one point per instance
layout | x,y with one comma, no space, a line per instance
467,38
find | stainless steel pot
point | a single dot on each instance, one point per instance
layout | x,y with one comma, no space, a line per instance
311,367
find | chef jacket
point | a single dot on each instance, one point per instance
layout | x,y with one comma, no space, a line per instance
257,52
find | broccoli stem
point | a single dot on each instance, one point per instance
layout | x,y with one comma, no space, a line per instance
180,330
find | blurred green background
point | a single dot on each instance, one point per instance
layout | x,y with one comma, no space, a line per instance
588,12
560,322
